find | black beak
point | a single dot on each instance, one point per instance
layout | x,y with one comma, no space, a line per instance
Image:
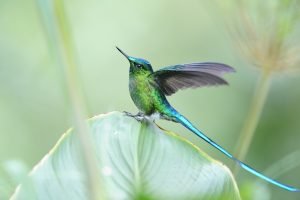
122,52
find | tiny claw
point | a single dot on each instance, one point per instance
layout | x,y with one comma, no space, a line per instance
139,116
128,114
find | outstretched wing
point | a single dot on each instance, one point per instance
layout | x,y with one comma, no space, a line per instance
173,78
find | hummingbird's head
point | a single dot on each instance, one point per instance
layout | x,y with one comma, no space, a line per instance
137,64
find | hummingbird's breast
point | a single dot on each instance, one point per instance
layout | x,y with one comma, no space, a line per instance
145,95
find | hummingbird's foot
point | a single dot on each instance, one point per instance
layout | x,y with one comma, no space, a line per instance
139,116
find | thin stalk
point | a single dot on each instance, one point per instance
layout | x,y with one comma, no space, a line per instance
252,119
57,27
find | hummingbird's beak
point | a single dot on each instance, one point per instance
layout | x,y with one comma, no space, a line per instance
122,52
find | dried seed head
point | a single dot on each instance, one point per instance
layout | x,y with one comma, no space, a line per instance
265,33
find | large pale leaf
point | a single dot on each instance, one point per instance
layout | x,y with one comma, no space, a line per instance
135,161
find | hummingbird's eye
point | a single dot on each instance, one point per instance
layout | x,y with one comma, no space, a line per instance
138,65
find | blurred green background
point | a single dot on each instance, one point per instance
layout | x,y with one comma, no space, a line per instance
34,105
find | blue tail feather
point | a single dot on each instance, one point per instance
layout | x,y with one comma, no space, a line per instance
186,123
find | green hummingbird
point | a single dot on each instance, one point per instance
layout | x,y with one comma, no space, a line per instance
148,90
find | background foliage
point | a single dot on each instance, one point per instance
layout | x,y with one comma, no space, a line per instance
35,111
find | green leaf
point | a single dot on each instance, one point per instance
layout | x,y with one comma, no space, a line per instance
135,161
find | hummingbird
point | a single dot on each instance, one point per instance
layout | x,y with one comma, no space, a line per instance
148,90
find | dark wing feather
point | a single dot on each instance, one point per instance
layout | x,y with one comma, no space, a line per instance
171,79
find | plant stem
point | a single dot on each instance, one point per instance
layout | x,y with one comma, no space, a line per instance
252,119
57,27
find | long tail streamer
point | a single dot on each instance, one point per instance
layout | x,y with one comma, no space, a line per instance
186,123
